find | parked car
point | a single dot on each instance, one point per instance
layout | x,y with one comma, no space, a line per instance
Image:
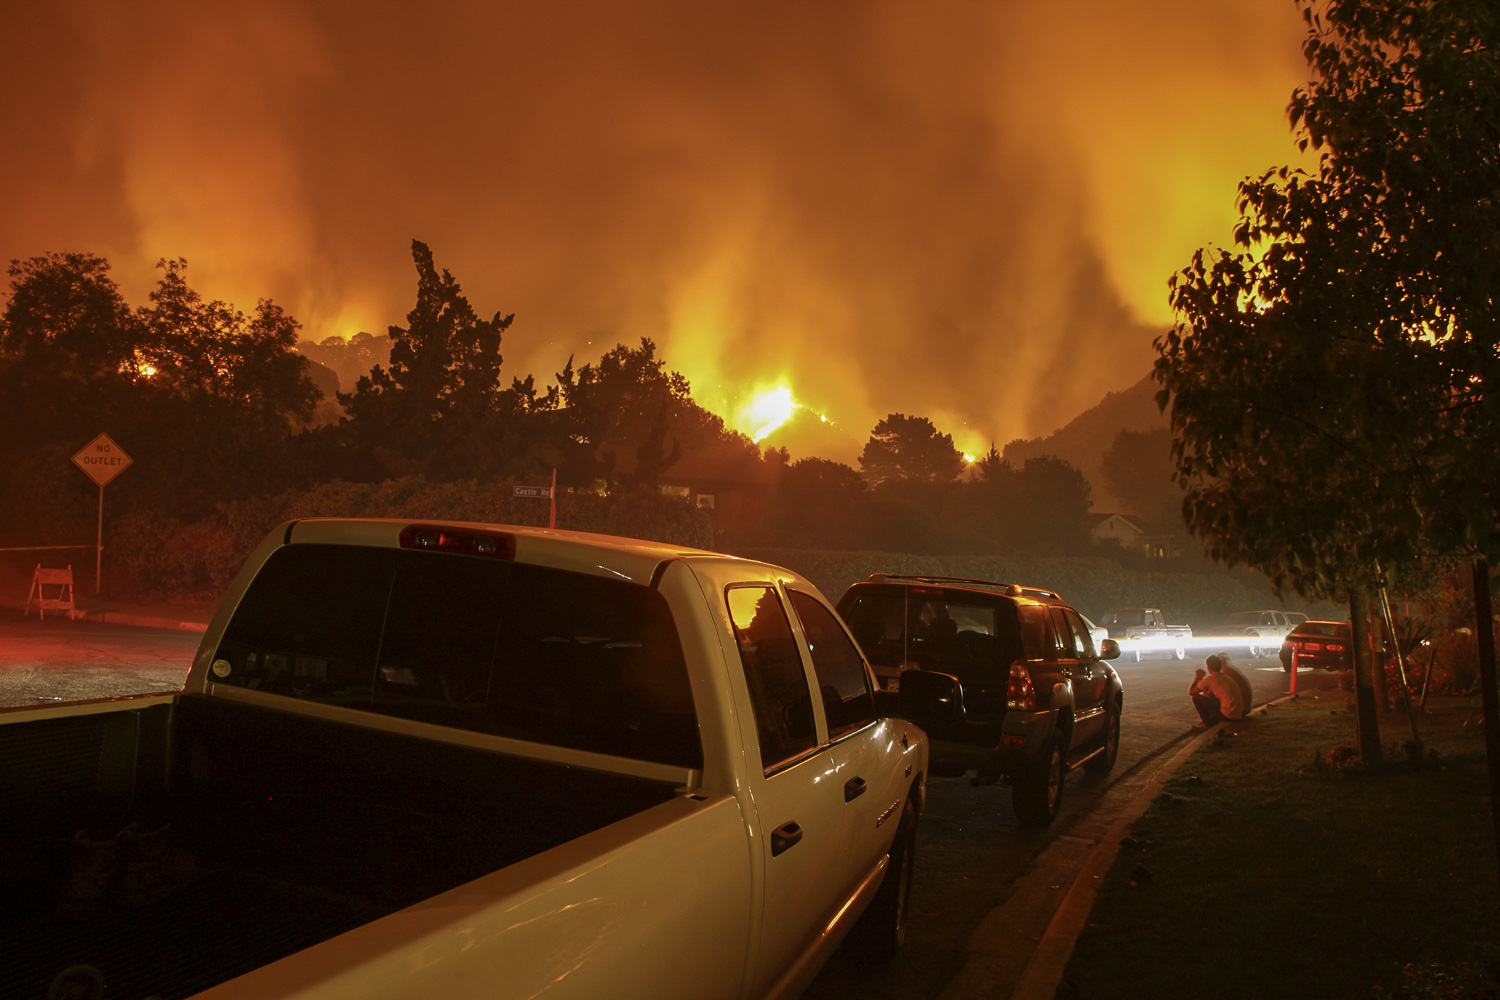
1324,645
1038,696
1329,646
461,760
1255,632
1145,630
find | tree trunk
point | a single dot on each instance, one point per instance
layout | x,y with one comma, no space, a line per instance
1484,633
1364,691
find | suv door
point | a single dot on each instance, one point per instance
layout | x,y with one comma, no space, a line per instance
1076,669
1090,680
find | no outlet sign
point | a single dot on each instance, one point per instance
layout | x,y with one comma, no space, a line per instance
101,459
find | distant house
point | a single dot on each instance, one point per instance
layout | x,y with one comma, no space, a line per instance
1135,534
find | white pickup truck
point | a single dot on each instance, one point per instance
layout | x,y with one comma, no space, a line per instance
440,760
1145,630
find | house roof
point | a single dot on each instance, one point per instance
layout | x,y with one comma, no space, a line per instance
1129,520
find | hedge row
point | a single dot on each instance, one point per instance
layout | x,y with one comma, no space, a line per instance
1094,585
163,556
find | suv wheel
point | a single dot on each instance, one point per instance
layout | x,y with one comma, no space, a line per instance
1036,792
1102,763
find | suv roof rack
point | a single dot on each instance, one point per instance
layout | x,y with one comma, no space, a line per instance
1010,589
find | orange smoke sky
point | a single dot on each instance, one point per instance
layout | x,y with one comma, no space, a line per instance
966,211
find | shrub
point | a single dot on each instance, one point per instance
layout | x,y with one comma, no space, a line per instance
1090,583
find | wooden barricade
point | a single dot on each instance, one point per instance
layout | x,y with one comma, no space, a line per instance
41,580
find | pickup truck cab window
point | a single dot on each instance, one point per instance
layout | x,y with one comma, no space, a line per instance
508,649
773,673
842,678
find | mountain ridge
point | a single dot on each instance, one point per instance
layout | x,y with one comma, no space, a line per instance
1082,441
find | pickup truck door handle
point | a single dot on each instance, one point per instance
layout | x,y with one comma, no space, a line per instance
785,836
853,789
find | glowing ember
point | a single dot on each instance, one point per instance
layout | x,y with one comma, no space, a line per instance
766,411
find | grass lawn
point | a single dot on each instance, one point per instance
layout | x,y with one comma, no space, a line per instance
1263,871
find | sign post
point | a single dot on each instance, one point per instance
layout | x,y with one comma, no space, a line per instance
101,460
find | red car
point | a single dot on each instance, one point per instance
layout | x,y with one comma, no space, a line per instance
1318,644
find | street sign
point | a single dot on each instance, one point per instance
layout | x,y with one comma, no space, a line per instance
542,493
102,460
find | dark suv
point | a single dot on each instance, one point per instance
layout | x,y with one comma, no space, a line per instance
1038,697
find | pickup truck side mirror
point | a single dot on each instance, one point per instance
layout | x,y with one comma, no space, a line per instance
1109,649
930,699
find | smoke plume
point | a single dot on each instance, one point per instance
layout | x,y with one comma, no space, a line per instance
964,211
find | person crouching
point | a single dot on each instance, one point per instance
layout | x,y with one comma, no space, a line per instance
1215,695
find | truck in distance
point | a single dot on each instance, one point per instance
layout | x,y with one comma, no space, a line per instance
1140,631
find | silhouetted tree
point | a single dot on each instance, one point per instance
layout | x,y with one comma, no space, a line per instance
819,503
629,408
203,398
66,311
1138,470
443,383
67,349
1054,497
909,449
1329,383
210,352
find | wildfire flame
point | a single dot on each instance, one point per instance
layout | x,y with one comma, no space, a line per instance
767,410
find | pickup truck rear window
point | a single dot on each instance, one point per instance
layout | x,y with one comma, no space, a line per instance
493,647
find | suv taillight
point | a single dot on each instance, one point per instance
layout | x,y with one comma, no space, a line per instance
1020,694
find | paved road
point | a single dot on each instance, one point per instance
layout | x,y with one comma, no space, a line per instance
57,660
985,888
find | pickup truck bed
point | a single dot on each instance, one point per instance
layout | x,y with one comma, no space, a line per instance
285,830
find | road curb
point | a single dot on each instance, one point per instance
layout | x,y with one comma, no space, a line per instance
142,621
1043,974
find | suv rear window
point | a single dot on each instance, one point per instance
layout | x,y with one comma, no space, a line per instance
493,647
933,629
